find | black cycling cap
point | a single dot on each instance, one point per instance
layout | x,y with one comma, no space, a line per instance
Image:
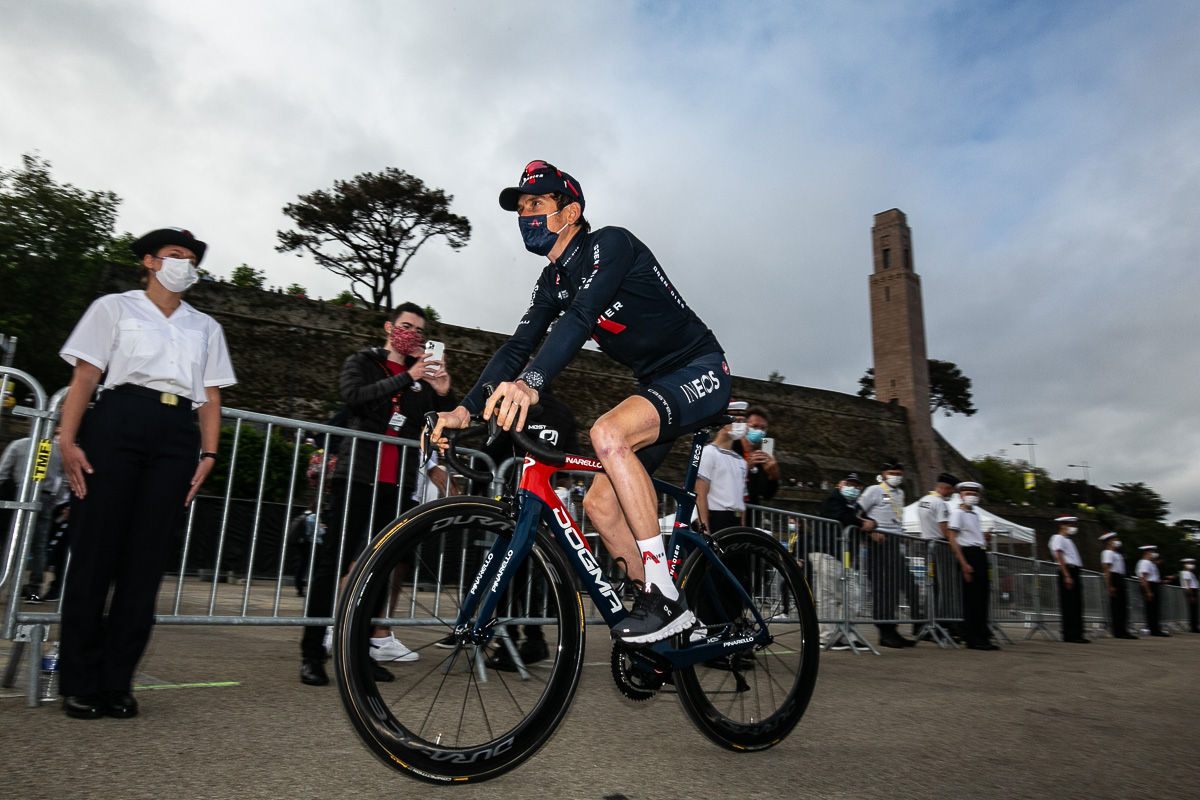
150,244
540,177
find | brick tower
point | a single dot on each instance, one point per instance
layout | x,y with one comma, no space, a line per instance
898,339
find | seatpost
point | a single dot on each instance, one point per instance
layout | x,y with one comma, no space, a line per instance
699,439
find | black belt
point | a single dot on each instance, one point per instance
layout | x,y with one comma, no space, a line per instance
166,398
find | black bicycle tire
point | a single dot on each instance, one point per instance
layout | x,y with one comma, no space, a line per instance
370,716
741,737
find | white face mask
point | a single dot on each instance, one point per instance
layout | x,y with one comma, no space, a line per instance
737,430
971,500
1072,531
177,274
1116,544
894,480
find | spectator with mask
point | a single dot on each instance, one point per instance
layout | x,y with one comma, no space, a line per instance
1070,593
387,390
762,471
933,512
887,569
1151,580
1113,564
966,537
824,560
1187,579
721,479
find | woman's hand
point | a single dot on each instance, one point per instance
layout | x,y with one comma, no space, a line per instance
202,469
75,464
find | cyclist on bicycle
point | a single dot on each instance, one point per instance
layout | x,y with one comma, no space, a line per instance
607,285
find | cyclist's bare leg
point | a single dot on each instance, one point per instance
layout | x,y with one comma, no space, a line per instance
627,508
604,511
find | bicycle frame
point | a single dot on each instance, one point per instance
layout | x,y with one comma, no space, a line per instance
538,501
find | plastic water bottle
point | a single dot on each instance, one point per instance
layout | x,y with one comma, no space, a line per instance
50,673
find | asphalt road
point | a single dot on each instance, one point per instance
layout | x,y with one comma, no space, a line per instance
1039,719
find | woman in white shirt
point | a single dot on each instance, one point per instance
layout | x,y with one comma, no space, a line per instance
134,459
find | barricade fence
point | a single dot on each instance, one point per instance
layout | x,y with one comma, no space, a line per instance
246,555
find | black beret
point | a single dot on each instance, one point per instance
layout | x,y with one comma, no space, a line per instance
946,477
150,244
892,464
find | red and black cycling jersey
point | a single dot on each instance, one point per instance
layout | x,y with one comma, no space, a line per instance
607,285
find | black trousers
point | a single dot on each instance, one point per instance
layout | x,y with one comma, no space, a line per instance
976,595
1151,605
720,520
361,525
1071,604
1118,605
1193,606
889,574
143,454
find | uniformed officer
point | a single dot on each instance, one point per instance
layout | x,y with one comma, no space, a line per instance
1070,593
969,544
884,504
1113,564
134,460
1151,580
1191,588
933,512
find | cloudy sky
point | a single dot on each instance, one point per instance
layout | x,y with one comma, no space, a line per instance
1046,155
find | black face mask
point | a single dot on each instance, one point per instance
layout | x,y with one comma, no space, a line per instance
537,234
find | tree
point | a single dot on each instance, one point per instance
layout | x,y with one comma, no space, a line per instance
949,388
296,290
346,298
431,314
246,275
1004,481
1139,501
775,377
54,241
369,228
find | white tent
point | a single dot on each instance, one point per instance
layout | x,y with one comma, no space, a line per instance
991,523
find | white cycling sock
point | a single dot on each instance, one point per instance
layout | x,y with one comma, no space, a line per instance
658,573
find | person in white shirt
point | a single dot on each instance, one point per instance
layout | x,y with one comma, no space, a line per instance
133,460
933,513
1191,587
1070,593
1113,564
721,479
1151,580
883,503
969,544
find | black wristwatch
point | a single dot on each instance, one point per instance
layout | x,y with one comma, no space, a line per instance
213,456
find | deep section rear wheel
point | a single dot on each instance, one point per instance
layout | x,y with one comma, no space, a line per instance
450,716
752,699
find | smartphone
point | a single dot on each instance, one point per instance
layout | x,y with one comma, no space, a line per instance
434,350
768,446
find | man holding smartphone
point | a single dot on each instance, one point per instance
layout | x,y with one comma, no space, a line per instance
762,471
387,390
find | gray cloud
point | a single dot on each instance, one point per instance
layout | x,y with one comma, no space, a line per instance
1045,156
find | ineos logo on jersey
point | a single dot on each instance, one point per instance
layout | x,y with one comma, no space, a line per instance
705,384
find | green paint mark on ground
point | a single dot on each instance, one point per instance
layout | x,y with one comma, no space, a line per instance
187,685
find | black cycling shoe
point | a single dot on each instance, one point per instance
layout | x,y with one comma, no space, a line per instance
653,618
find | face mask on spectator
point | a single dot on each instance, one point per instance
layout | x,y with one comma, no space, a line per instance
404,341
755,436
851,492
1072,531
1116,544
971,500
737,430
894,480
177,274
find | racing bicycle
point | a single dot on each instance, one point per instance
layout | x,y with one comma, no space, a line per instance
460,575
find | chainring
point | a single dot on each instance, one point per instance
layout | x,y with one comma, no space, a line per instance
635,682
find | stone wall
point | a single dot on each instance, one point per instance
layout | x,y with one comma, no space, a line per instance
289,350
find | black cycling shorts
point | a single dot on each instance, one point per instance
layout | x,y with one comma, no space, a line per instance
684,399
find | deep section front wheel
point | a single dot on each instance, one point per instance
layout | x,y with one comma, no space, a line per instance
750,699
462,711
